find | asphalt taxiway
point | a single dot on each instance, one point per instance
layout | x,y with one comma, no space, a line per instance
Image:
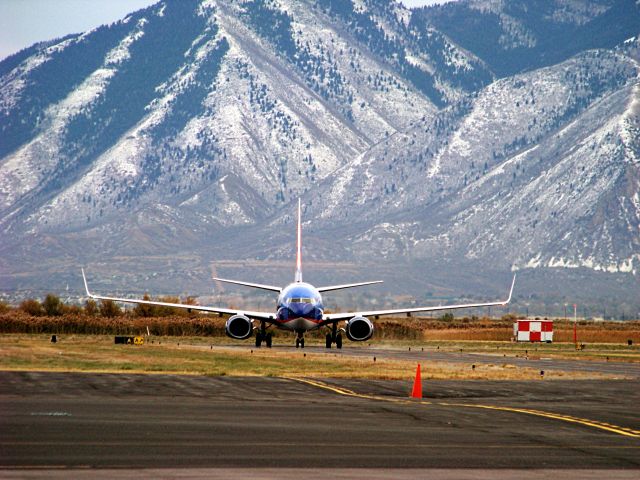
52,422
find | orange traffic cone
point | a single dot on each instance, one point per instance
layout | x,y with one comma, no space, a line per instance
417,385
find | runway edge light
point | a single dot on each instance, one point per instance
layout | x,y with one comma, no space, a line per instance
416,392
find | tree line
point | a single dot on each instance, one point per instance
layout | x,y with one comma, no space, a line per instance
53,306
106,317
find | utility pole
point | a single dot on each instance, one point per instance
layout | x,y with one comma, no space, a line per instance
575,325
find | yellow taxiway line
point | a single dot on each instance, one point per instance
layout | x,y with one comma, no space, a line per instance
627,432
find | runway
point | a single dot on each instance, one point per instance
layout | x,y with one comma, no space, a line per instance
273,427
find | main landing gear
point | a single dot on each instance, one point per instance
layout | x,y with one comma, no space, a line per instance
334,337
263,336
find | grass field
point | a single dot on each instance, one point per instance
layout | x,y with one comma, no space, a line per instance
200,356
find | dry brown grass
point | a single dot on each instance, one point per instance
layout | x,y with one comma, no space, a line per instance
502,330
585,335
99,354
17,321
470,334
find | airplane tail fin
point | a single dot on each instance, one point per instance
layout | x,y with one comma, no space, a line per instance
298,277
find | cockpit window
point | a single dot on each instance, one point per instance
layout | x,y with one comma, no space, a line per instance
301,300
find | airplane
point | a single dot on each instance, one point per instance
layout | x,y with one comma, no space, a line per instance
300,309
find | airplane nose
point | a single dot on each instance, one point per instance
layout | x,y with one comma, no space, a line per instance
303,310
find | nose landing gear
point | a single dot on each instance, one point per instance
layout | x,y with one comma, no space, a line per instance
300,340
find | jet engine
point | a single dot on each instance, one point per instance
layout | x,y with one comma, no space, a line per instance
359,329
238,327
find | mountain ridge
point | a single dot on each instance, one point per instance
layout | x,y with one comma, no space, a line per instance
403,138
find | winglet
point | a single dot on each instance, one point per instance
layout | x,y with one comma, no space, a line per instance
299,253
86,287
513,282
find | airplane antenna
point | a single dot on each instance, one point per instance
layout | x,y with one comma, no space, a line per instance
299,255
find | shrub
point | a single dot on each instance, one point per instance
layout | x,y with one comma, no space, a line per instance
52,305
32,307
74,310
109,309
91,307
4,307
142,310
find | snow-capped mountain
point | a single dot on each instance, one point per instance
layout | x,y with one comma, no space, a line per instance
489,135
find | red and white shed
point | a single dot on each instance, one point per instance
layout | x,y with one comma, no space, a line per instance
533,331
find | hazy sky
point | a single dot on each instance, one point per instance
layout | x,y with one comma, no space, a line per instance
25,22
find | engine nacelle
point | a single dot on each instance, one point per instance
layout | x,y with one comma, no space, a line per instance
238,327
359,329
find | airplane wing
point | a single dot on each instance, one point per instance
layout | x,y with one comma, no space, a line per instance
346,285
267,316
335,317
248,284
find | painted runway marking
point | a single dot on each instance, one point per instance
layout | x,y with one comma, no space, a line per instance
351,393
625,431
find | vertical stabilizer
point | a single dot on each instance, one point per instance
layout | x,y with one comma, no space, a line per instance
299,253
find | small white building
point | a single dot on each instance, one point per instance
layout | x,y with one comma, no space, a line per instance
533,331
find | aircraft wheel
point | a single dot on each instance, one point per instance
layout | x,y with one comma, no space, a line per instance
302,343
328,339
268,340
338,341
297,343
258,339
